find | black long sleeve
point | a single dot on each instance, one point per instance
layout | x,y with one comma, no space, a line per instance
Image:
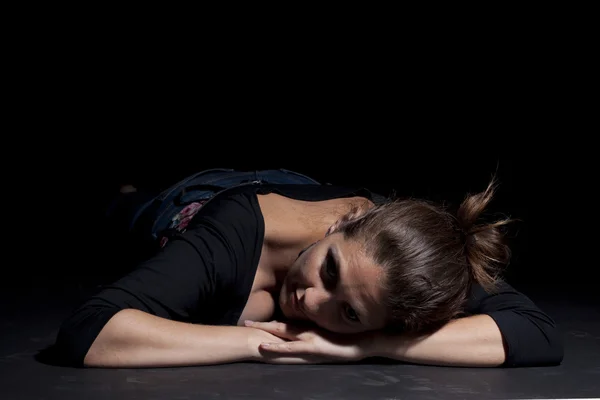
201,276
531,336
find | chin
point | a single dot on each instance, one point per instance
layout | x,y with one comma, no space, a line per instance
288,314
285,305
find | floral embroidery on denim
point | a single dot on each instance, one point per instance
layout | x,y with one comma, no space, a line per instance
180,221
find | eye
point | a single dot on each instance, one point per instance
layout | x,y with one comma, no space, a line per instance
351,314
330,267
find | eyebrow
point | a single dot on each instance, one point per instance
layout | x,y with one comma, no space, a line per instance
333,252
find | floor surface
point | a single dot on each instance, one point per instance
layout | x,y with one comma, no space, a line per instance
32,326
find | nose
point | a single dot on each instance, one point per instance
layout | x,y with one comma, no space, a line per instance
314,301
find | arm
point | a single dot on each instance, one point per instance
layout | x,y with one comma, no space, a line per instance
163,296
146,317
473,341
133,338
507,329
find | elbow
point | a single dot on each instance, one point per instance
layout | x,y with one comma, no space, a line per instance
555,349
548,351
532,339
551,346
67,348
93,358
78,333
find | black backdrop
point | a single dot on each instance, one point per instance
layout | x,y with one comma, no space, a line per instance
536,187
436,132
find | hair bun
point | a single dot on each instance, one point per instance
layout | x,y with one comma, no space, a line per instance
485,247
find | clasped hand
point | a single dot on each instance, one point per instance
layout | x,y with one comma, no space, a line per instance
297,344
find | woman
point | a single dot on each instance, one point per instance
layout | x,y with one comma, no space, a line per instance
305,273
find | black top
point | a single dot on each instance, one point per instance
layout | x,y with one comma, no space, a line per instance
205,275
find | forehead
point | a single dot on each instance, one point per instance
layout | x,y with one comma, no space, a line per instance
361,278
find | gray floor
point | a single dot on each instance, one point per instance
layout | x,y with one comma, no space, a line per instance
32,326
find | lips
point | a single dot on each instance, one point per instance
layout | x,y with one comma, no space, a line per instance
294,300
296,303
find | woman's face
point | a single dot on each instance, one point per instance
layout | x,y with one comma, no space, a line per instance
334,284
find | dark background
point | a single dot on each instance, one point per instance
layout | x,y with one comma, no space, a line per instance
436,125
426,107
537,186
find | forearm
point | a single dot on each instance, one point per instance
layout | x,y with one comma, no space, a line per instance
470,342
133,338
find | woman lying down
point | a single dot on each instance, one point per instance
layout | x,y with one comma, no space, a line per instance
316,274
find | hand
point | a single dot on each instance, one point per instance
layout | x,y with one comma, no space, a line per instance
257,337
312,344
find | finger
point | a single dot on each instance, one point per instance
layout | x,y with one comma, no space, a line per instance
274,358
280,329
297,347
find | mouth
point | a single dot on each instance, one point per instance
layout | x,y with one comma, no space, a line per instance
296,304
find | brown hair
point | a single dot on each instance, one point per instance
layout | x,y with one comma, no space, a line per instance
431,256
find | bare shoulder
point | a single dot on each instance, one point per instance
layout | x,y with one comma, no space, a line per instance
279,210
277,201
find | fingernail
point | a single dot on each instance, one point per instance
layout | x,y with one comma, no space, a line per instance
265,344
248,322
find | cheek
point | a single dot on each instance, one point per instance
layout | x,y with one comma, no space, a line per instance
329,323
339,329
